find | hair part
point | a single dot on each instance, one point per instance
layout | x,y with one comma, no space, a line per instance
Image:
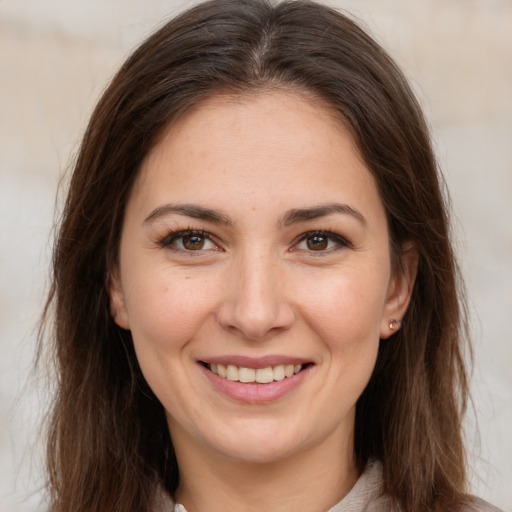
108,445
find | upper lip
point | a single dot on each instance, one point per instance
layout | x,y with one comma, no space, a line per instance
256,362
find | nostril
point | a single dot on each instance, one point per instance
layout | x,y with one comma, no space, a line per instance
256,319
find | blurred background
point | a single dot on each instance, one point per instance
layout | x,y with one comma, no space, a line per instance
56,56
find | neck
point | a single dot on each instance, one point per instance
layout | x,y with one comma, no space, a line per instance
315,480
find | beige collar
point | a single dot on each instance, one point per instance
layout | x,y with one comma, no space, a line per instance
365,496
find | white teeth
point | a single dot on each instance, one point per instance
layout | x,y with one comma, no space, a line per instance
260,375
232,373
221,370
264,375
246,374
279,372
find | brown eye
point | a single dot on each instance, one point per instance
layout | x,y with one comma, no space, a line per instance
317,242
189,241
322,242
193,242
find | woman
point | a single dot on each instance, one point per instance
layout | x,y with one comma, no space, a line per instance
257,303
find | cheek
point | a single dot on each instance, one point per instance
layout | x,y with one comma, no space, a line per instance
166,310
165,316
345,305
343,313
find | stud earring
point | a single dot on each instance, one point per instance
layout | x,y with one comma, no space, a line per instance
394,324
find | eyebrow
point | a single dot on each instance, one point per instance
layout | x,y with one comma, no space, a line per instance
290,217
189,210
322,210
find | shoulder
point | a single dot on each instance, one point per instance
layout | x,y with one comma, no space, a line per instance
478,505
164,503
368,495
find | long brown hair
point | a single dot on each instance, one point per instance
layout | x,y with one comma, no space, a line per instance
108,445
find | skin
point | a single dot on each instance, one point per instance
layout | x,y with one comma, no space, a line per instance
258,288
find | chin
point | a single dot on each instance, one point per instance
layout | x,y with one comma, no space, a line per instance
266,453
263,443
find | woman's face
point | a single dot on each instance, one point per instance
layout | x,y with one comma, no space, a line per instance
255,277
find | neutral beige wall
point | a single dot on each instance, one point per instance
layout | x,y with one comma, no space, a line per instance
55,58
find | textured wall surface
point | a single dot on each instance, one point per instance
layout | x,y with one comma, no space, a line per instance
57,55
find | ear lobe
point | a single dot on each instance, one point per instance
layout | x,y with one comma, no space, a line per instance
117,301
400,289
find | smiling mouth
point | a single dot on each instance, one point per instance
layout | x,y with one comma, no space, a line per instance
255,375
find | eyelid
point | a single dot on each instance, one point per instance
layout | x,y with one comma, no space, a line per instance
170,238
341,241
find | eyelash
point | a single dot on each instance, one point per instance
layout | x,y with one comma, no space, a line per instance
329,235
171,238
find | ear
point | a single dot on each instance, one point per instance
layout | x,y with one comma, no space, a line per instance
399,292
115,292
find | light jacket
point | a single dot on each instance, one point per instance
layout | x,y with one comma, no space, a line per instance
367,495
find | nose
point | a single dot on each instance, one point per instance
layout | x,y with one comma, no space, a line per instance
253,305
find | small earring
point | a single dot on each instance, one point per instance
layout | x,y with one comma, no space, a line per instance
394,324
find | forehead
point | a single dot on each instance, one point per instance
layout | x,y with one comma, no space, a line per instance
278,146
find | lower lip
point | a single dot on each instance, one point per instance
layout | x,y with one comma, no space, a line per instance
255,393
